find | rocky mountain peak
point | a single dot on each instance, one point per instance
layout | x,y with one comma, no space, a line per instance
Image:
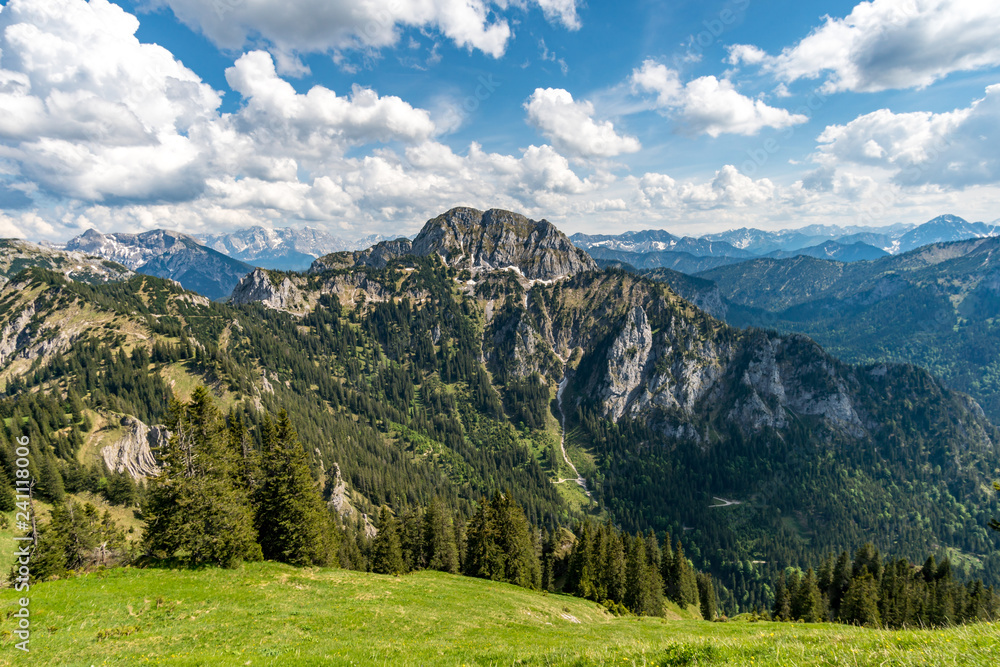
496,239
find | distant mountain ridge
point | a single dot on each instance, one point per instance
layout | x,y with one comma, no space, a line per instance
283,248
167,254
848,244
17,255
937,307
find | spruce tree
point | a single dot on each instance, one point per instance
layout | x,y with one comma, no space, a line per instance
387,554
706,595
807,603
293,525
840,581
7,496
860,606
196,511
614,568
440,550
682,586
242,445
636,579
483,558
411,538
581,578
782,610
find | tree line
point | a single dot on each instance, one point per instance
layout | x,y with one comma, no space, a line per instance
889,593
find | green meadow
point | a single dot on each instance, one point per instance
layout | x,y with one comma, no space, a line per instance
269,614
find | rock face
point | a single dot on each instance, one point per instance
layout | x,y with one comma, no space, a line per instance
381,254
340,502
14,335
260,286
133,452
634,350
627,361
496,239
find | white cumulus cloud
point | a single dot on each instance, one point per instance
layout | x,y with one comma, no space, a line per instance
318,121
954,149
708,105
889,44
729,188
90,112
571,128
303,26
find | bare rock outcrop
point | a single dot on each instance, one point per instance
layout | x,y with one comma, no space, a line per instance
340,501
133,452
627,361
260,286
496,239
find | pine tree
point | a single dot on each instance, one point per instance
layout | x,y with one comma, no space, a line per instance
581,578
840,582
483,558
387,554
242,445
807,603
293,525
7,499
440,550
682,584
614,567
706,595
411,538
196,511
636,580
860,606
782,610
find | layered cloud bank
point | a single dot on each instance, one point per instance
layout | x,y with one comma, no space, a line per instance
100,129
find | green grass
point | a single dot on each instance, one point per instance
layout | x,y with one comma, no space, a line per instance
267,614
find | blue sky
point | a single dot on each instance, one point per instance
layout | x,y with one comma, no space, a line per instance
361,117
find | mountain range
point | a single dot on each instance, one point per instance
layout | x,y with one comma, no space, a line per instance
937,307
167,254
659,249
491,353
287,248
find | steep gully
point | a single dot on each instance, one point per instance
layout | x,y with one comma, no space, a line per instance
562,437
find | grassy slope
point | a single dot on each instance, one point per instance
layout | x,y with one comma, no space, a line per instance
267,614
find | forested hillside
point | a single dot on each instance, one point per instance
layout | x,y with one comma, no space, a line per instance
935,307
422,383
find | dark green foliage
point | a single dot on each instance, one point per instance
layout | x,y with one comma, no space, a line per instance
387,554
121,489
807,601
197,511
894,594
680,578
706,596
76,537
995,523
440,548
7,500
860,604
782,609
500,545
292,523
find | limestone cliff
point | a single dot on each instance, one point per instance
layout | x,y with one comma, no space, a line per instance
133,452
274,292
